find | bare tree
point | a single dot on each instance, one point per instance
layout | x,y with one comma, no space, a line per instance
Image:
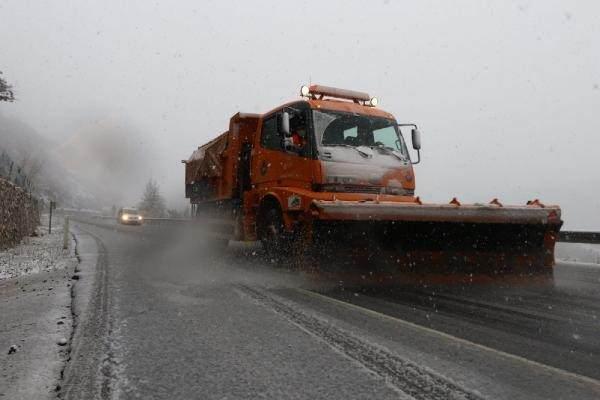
31,164
173,213
6,92
152,204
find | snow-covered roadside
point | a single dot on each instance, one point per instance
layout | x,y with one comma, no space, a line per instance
578,252
36,278
36,254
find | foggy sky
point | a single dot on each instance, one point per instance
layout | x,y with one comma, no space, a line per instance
507,94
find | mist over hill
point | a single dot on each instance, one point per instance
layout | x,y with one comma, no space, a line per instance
33,153
104,162
112,157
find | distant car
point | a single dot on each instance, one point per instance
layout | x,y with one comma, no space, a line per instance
129,216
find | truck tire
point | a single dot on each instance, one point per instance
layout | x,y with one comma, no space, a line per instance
272,234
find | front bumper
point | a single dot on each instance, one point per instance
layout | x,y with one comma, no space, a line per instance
131,221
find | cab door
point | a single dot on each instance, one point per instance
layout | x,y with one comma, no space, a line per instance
275,166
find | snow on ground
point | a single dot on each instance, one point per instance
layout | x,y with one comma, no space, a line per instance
578,252
36,254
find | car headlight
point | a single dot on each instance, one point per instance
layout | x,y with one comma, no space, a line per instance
139,217
124,217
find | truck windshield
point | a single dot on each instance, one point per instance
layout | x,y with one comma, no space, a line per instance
345,129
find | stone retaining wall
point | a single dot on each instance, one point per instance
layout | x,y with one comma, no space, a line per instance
19,214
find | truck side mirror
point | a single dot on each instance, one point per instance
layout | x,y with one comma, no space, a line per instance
416,139
284,123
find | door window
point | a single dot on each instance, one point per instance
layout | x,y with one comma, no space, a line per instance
299,134
270,138
296,144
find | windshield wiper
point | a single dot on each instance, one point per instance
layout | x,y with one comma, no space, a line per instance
392,151
359,149
337,144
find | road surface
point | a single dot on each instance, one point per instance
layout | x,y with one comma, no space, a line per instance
159,315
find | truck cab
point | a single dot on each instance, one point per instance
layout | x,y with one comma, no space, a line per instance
332,146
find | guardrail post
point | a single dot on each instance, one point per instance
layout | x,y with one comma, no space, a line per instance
50,218
66,234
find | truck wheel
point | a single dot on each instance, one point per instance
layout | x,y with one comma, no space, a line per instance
272,234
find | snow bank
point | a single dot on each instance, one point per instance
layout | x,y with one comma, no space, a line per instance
578,252
43,252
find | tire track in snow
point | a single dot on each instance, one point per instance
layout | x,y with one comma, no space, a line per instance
414,380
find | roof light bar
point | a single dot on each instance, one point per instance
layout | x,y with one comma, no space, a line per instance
319,90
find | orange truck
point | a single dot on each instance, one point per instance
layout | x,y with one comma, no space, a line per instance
332,169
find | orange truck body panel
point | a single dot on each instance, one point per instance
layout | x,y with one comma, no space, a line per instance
233,175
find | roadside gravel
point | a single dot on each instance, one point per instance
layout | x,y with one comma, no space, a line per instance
35,322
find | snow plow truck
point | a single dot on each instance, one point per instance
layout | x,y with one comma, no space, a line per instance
333,170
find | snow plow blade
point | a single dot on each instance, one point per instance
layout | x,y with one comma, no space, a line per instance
475,241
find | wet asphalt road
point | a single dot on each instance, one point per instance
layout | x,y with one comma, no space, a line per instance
169,318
